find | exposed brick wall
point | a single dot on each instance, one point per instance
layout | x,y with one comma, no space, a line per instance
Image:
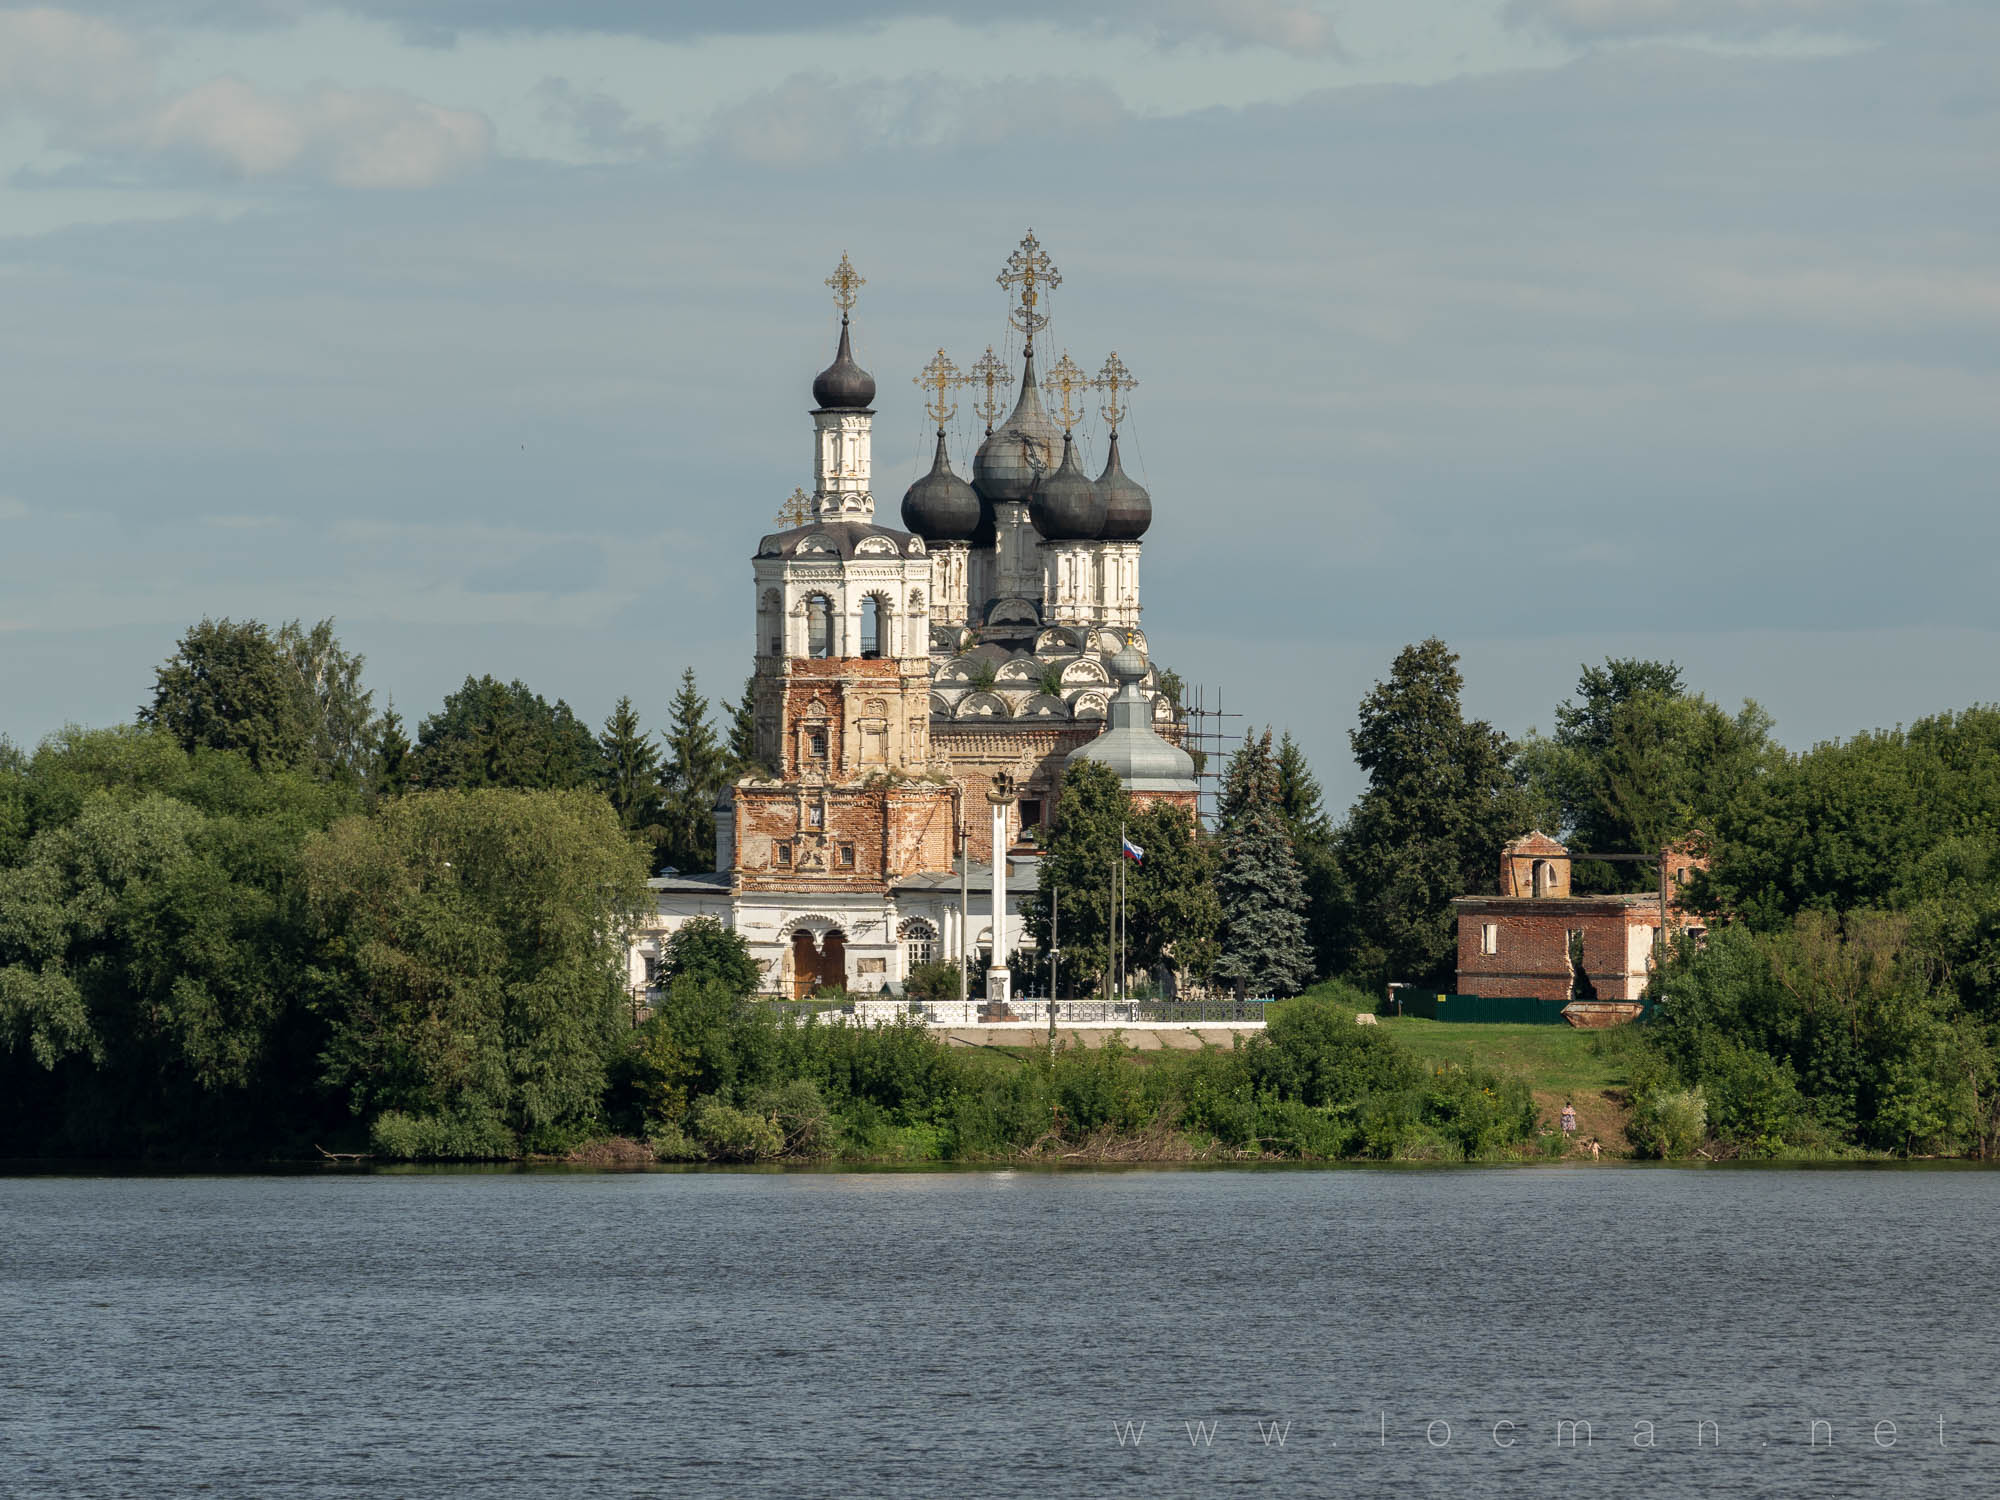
1032,755
1533,957
892,829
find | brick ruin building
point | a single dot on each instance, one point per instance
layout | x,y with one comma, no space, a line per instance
1536,939
918,691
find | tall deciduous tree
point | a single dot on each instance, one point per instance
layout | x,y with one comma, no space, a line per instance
696,767
1264,947
339,712
494,734
1170,913
1637,761
1074,876
228,686
149,956
473,971
1441,800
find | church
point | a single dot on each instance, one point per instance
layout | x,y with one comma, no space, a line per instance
919,691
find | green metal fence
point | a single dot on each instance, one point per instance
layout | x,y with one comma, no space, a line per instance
1518,1009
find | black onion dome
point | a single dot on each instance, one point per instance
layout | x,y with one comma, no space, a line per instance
843,384
1064,507
1128,509
1020,450
941,507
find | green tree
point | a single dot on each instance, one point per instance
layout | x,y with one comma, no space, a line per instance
1172,913
339,712
229,686
1075,873
696,768
473,959
1263,946
704,952
493,734
1312,831
743,729
631,769
1636,762
1845,825
148,949
390,775
1440,801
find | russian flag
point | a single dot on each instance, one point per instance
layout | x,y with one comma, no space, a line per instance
1132,851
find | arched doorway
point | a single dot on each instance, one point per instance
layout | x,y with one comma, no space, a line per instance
816,964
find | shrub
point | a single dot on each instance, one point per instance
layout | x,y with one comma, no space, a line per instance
731,1134
1753,1100
1289,1128
936,980
1314,1052
470,1137
701,949
670,1143
1668,1122
801,1115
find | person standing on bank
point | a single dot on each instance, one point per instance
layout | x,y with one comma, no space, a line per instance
1568,1119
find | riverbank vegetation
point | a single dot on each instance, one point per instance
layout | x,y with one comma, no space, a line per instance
263,921
717,1077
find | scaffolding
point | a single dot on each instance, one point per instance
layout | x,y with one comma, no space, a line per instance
1205,734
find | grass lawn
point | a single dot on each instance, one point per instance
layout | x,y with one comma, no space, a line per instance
1590,1069
1554,1059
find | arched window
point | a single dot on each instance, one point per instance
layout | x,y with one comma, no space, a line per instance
871,627
771,621
819,626
919,943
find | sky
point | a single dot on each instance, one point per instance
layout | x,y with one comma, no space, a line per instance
1559,329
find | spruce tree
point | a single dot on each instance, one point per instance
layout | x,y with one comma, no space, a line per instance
631,771
696,768
1303,804
743,728
390,774
1264,945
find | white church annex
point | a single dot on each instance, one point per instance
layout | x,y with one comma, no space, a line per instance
917,692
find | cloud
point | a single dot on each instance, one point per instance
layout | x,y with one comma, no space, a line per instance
1597,20
1290,25
95,88
598,120
811,118
12,509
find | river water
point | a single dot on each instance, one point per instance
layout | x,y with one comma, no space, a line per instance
1337,1332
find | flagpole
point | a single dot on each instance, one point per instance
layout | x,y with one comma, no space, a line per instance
1111,927
1124,923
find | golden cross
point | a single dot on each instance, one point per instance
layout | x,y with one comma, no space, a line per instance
1114,377
1030,269
796,510
1066,379
990,372
844,282
939,376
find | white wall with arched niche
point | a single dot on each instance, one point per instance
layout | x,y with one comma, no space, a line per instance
834,607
